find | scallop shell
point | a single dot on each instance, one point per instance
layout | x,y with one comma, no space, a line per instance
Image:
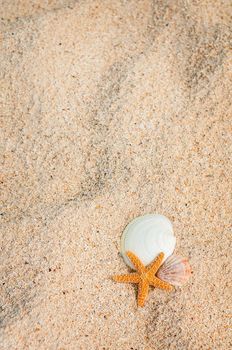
175,270
147,236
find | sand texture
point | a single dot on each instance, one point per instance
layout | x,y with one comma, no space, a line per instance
112,109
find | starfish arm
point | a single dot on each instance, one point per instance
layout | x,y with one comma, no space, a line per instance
142,292
154,266
130,278
156,282
136,262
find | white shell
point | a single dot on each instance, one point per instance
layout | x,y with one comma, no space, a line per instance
147,236
175,270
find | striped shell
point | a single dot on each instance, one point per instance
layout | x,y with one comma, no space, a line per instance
175,270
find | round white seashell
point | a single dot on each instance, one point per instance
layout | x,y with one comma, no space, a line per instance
147,236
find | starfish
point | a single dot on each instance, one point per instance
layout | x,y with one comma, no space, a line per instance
144,277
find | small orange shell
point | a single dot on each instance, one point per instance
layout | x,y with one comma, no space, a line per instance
175,270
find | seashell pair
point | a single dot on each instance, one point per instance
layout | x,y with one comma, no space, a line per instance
147,236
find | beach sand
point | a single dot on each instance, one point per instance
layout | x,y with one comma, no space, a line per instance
111,110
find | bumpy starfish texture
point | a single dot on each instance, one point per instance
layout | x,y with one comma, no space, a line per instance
144,277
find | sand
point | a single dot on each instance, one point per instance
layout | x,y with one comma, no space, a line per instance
110,110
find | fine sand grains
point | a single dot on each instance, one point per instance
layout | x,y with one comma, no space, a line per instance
110,110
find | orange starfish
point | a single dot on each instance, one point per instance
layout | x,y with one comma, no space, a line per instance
144,277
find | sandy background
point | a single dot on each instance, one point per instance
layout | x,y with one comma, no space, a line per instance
110,110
